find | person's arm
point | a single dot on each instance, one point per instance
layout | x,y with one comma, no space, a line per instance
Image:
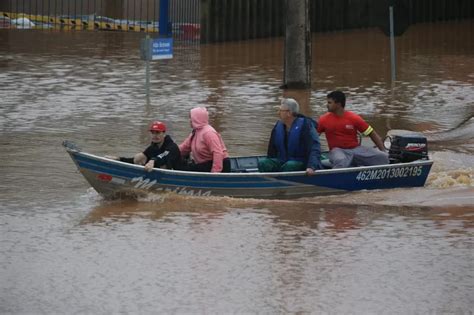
157,161
140,158
169,159
214,145
185,146
120,158
367,130
313,149
126,160
150,165
272,151
320,125
377,140
174,157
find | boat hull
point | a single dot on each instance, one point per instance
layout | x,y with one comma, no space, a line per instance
114,179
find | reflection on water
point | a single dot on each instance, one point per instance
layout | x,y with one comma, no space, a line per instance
65,250
184,254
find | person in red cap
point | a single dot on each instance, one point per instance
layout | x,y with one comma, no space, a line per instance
162,152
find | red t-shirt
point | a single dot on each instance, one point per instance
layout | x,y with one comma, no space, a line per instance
341,131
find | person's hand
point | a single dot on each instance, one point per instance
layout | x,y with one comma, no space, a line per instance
112,157
149,166
309,171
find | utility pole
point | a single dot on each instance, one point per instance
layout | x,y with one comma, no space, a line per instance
297,72
392,46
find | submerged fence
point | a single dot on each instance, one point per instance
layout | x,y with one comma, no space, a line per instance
112,15
224,20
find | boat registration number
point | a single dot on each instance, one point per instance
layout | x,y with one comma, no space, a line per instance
399,172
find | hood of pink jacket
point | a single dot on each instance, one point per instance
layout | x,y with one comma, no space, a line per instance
205,143
199,117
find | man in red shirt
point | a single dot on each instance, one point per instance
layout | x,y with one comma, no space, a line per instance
341,127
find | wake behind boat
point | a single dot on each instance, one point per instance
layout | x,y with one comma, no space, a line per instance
113,179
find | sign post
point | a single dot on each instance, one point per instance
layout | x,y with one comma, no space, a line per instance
157,48
147,70
154,49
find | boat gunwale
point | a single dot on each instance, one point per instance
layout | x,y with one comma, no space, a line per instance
249,174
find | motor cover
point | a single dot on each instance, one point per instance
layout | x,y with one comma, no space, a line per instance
407,147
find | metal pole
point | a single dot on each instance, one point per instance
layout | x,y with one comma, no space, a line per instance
147,67
392,45
163,22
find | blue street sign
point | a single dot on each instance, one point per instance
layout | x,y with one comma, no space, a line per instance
162,48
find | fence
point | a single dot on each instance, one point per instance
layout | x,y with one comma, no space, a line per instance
112,15
223,20
227,20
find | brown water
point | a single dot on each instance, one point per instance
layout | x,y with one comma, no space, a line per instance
65,250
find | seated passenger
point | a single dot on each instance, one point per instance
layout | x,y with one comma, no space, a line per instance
294,143
205,145
162,152
341,128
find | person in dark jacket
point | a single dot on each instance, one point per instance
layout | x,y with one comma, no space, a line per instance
163,152
294,143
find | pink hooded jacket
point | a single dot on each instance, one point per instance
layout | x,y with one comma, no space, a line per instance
206,144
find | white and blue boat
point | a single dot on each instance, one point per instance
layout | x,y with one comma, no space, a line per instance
115,179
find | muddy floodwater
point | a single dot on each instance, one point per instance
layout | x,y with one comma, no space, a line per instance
65,250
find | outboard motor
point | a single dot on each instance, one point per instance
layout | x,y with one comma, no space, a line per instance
406,146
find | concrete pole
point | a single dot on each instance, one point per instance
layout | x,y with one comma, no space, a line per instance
297,72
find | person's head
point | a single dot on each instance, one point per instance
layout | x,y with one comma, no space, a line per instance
336,101
289,108
198,117
157,131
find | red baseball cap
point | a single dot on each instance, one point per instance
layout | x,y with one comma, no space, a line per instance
158,126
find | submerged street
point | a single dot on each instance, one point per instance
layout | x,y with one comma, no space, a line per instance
64,249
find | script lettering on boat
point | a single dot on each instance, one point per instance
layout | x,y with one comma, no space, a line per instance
143,183
186,192
399,172
192,192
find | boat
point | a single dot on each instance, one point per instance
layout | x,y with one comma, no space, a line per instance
115,179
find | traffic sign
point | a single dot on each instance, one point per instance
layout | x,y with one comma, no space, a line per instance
157,48
162,48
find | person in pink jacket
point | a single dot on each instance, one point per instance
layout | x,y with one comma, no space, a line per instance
205,145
